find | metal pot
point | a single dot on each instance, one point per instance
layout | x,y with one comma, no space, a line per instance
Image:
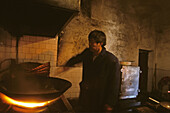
39,88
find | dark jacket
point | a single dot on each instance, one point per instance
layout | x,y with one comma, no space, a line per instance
101,78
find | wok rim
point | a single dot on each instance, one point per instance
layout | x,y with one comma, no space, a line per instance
39,96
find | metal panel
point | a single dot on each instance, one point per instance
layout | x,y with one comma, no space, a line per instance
130,82
33,18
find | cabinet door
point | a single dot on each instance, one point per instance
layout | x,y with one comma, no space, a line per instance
129,82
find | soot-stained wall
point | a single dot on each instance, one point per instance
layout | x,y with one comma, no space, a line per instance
126,33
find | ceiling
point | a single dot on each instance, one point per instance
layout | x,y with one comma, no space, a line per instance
158,11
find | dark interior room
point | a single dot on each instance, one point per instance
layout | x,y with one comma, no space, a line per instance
39,37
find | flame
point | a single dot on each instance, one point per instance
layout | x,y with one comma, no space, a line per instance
11,101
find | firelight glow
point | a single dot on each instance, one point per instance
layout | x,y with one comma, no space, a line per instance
11,101
154,100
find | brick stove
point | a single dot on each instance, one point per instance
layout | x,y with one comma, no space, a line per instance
29,89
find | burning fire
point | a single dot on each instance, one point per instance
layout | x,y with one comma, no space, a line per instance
11,101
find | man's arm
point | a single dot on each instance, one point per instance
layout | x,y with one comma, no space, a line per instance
71,62
76,59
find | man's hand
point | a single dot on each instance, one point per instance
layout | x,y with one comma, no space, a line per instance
60,70
108,108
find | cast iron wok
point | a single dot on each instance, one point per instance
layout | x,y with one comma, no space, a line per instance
34,88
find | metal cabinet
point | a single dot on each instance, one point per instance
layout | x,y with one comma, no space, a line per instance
129,82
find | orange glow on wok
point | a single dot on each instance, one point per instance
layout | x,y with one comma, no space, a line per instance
11,101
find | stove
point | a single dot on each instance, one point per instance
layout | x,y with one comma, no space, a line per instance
29,89
148,104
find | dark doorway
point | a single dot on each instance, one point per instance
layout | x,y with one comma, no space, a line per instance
143,64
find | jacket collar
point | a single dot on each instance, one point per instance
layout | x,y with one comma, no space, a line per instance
103,52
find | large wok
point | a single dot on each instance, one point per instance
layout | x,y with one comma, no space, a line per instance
34,88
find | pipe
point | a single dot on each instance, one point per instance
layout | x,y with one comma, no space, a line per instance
17,44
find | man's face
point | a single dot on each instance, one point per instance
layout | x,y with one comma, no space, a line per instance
94,46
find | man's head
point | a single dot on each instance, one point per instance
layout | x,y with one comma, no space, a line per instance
97,40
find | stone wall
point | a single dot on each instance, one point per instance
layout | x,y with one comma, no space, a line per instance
126,33
163,55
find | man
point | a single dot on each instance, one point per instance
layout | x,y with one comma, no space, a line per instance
99,88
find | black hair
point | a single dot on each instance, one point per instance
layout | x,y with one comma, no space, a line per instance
98,36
